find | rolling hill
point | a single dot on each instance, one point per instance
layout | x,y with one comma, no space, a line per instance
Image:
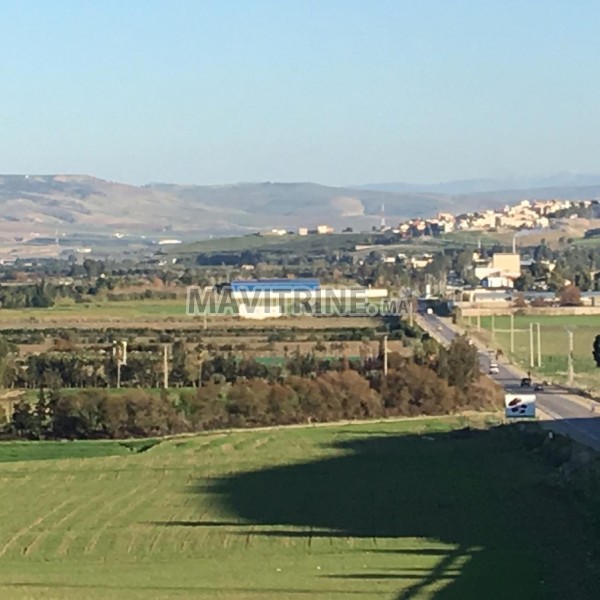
81,203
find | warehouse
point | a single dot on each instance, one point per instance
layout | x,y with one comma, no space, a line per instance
268,298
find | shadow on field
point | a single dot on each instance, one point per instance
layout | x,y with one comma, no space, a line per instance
513,528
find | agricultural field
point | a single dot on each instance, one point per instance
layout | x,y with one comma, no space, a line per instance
80,354
71,313
554,344
413,509
156,314
295,244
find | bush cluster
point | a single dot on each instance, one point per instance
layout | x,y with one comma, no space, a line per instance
334,395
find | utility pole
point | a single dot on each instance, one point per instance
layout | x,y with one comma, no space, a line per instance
539,345
512,333
165,366
531,361
385,355
200,365
570,371
120,355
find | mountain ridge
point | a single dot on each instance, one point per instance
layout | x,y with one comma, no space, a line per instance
87,203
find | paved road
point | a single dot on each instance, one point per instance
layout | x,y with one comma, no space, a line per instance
568,415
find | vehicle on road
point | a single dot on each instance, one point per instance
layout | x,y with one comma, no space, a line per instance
494,370
538,387
430,311
526,382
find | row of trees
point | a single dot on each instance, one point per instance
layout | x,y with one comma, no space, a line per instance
568,295
436,381
38,295
579,264
68,364
86,369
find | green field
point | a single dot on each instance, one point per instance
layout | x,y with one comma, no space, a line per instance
555,344
28,451
288,243
154,313
70,312
398,510
475,237
345,242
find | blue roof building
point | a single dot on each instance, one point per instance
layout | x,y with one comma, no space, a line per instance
275,285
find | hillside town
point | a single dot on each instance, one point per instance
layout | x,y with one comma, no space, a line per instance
526,214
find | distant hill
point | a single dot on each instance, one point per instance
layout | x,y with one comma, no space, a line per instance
472,186
293,204
80,203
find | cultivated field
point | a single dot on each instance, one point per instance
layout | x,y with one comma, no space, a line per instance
555,344
155,314
103,311
398,510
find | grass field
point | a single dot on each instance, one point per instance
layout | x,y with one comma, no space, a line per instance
555,344
319,244
398,510
287,243
128,310
155,314
27,451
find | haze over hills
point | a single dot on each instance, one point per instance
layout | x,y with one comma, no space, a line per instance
82,203
470,186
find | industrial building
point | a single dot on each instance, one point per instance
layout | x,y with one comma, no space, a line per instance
501,271
268,298
274,285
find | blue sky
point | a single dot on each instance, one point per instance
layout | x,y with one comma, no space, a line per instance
332,91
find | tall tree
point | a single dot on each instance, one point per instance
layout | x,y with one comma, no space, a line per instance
459,363
596,350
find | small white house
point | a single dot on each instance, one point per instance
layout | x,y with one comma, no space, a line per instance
498,282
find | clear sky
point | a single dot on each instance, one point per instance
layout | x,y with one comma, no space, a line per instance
331,91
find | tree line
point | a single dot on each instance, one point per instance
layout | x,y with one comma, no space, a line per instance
68,364
435,381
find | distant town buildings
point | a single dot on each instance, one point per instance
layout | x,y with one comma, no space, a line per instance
320,229
275,232
526,214
324,229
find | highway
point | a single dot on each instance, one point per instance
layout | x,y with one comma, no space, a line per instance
573,417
